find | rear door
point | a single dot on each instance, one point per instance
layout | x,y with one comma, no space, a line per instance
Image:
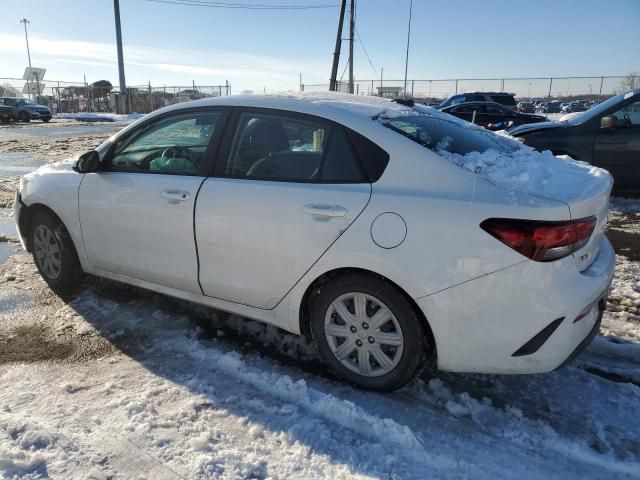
498,115
137,214
288,187
618,149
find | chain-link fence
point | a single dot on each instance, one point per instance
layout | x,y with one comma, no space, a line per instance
101,96
73,97
540,88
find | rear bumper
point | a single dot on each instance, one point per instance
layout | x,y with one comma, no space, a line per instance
479,326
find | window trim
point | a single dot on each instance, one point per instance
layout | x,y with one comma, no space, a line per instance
226,146
210,152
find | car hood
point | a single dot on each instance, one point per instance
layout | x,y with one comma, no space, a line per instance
535,127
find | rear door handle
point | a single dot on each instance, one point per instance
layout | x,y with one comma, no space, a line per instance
176,195
324,210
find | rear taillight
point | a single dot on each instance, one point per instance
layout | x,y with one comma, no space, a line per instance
539,240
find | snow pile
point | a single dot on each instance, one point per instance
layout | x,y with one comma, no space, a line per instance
523,169
99,117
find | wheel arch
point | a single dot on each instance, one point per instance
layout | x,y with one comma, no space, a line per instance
29,213
304,317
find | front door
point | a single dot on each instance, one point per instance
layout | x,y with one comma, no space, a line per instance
290,186
617,149
137,215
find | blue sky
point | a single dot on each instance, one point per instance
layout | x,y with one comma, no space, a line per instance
172,44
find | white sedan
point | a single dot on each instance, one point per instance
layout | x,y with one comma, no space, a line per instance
392,236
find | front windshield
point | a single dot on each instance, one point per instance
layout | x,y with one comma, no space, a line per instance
28,102
598,109
440,134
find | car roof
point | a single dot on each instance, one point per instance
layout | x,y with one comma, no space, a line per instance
330,104
477,103
506,94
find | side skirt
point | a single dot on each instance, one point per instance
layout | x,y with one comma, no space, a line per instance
272,317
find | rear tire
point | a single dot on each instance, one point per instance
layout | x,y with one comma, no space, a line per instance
46,120
24,117
54,253
382,352
5,119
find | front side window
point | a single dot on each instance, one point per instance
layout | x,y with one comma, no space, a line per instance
628,116
495,110
175,145
278,147
468,109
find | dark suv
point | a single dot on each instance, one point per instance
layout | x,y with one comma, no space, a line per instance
503,98
607,135
25,110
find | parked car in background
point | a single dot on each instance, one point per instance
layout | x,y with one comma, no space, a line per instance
503,98
549,107
355,222
6,113
572,107
607,135
526,107
25,110
491,115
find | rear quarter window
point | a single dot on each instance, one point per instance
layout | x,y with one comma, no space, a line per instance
374,159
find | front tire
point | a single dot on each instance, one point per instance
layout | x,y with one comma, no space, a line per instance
368,333
54,253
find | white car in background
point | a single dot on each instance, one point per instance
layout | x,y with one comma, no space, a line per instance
392,236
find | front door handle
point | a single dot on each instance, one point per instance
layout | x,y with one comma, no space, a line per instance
324,210
175,195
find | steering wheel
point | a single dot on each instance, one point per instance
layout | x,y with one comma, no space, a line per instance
178,152
627,120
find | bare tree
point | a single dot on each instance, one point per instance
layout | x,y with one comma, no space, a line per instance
6,90
630,81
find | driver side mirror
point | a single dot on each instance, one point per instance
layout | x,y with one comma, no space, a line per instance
608,122
88,162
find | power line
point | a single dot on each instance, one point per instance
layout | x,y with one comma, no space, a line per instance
242,6
373,68
345,69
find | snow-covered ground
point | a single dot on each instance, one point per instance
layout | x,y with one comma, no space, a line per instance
99,116
121,383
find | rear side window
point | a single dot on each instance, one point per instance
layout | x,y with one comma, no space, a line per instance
293,149
505,100
439,134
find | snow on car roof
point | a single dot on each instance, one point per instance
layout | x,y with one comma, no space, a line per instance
364,105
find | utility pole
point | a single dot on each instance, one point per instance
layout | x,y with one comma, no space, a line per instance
333,81
352,27
406,62
116,11
26,37
25,21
